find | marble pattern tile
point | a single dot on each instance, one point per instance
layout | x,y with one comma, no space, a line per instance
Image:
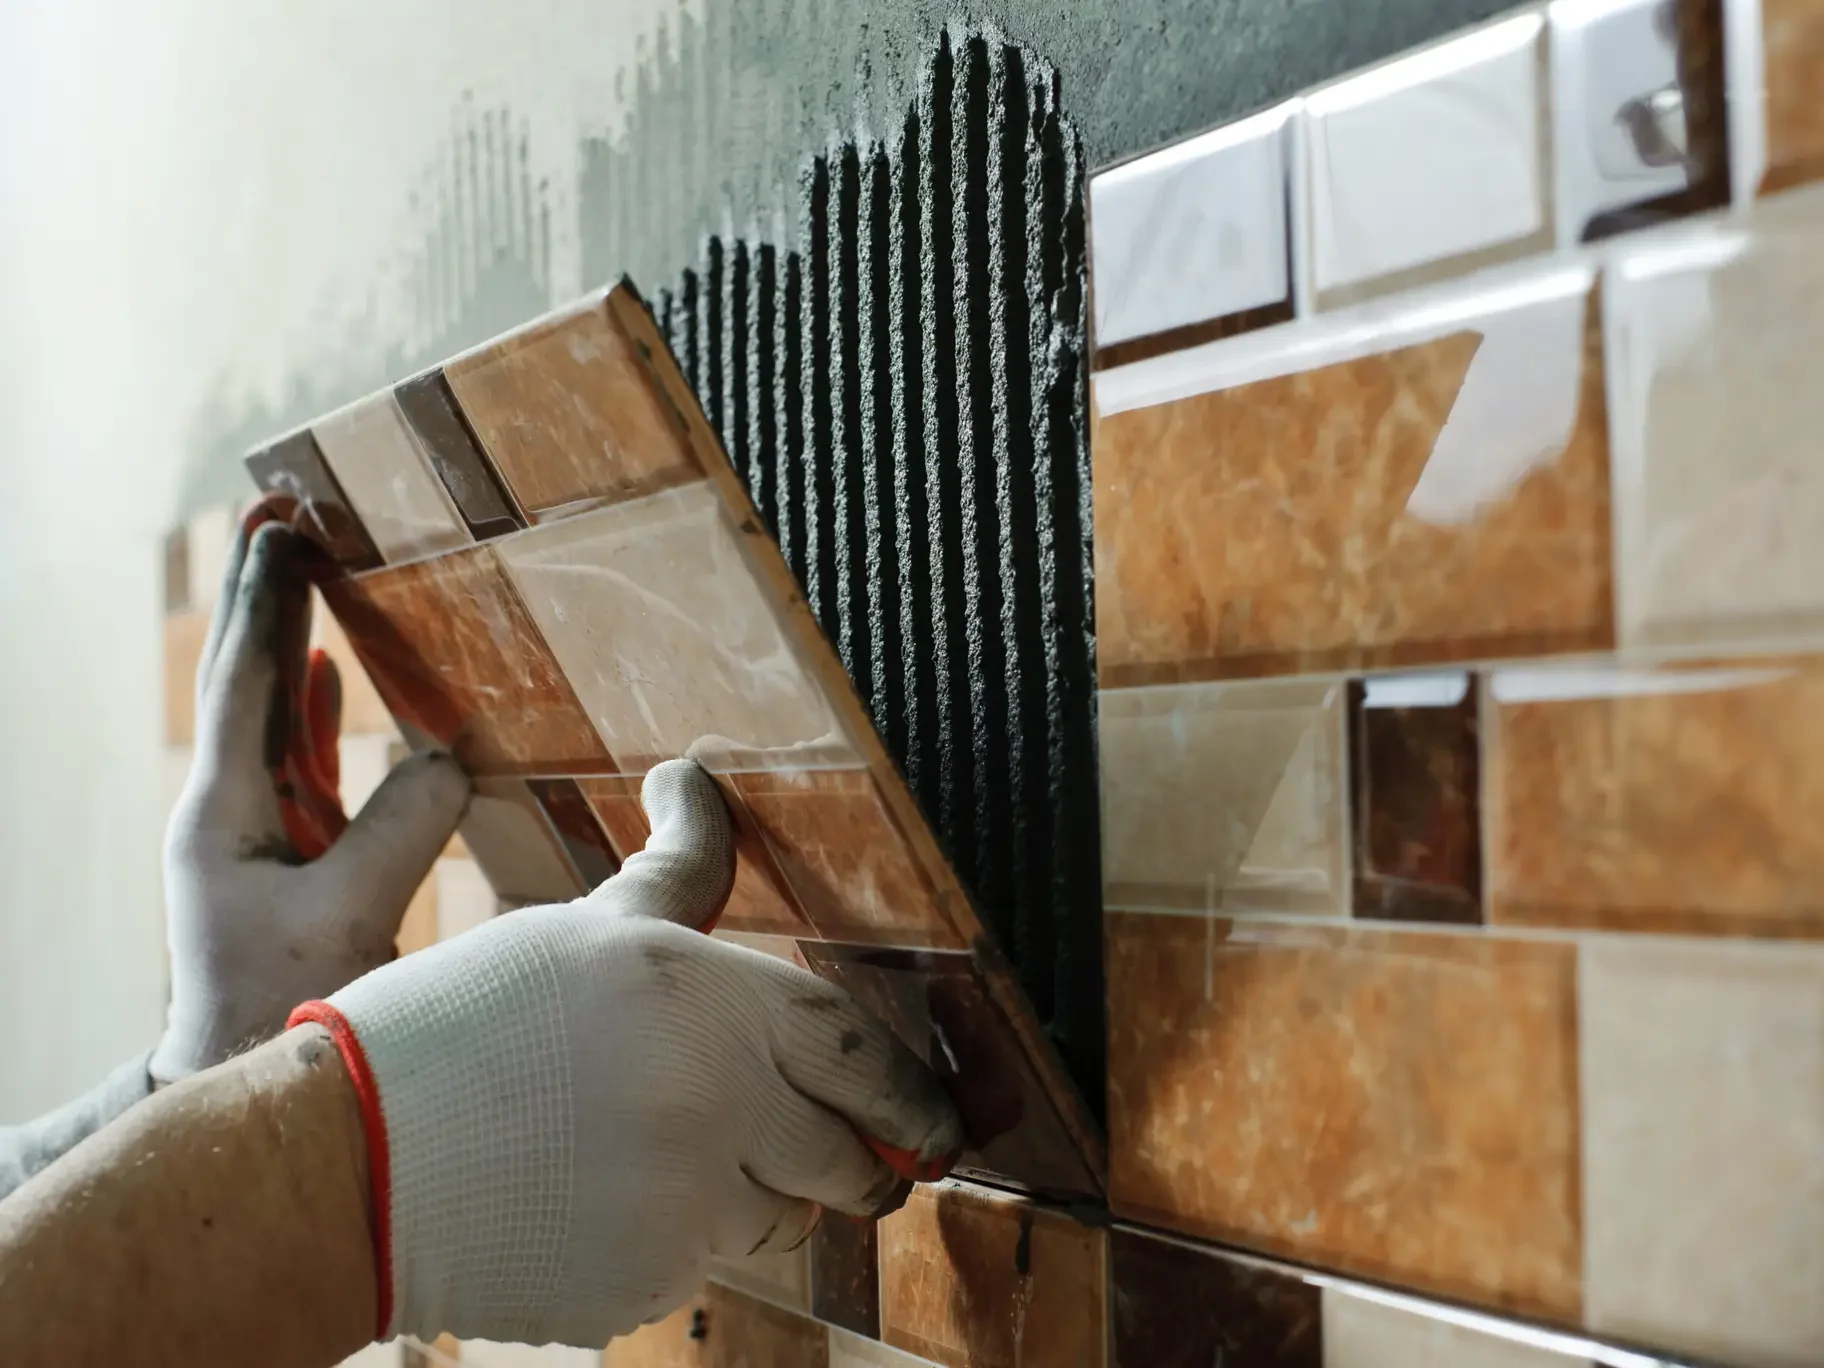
294,466
376,459
1175,1307
845,1273
975,1279
1364,1332
1429,164
1367,1075
723,1328
843,856
1712,331
1410,487
573,822
1679,799
454,454
571,414
1792,48
185,635
1224,797
1703,1147
507,835
451,649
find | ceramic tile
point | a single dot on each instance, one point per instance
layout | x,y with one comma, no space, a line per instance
570,413
418,928
1422,484
1711,336
454,455
673,645
845,1273
1703,1147
1192,233
1173,1307
464,897
973,1279
1792,48
573,821
723,1328
177,570
508,836
451,649
185,635
783,1279
1432,163
294,466
375,458
852,1351
1416,807
363,712
1374,1074
1224,797
840,851
940,1005
1360,1332
210,534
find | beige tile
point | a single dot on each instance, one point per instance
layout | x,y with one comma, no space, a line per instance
376,460
185,634
1703,1147
211,533
782,1279
1363,1333
506,832
463,897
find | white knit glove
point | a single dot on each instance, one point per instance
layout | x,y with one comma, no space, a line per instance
571,1108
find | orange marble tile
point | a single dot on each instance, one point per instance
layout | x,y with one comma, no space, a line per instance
1792,40
1681,799
185,634
841,853
1441,498
723,1328
974,1279
451,650
1398,1104
570,414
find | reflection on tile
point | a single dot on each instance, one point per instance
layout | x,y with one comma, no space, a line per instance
1364,1333
580,835
570,413
1415,764
294,466
1431,163
938,1004
673,646
1703,1147
852,1351
185,635
451,650
447,443
1224,797
1428,486
376,461
841,853
465,898
508,836
973,1279
1379,1074
723,1328
363,712
783,1279
845,1273
1712,333
1192,233
1792,42
1681,799
1174,1307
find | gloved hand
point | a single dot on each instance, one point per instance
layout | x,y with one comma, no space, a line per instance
255,923
569,1109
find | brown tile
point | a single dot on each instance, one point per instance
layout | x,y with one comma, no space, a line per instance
1444,498
451,650
1679,799
1174,1307
973,1279
294,466
723,1328
1416,811
845,1273
455,455
508,835
1792,39
841,853
1366,1075
581,836
570,415
185,634
940,1005
177,569
363,711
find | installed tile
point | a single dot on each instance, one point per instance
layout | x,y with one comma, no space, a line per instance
845,1273
455,456
783,1279
842,854
661,624
852,1351
465,899
1415,769
723,1328
185,635
1703,1147
209,538
573,821
1367,1075
363,711
1429,164
1416,484
451,650
1712,335
570,413
1364,1333
177,570
1792,44
1192,233
376,460
1173,1307
294,466
973,1279
508,836
938,1003
1224,797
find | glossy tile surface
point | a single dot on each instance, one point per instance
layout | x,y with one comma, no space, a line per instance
845,1273
1173,1307
1431,163
973,1280
452,650
1792,43
294,466
570,414
573,822
454,455
377,462
1712,332
1424,487
1703,1101
1363,1333
508,836
657,616
1224,797
1377,1074
840,851
723,1328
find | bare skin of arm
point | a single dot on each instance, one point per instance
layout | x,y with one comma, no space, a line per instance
224,1219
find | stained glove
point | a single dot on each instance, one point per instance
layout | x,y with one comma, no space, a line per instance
571,1108
272,895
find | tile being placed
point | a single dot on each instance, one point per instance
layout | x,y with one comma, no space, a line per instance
574,823
1417,482
376,460
508,835
294,466
1171,1306
1792,52
454,455
1368,1075
1224,797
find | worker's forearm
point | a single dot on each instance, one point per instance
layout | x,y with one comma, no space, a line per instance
224,1219
27,1148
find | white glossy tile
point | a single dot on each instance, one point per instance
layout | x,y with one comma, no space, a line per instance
1368,1332
387,479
